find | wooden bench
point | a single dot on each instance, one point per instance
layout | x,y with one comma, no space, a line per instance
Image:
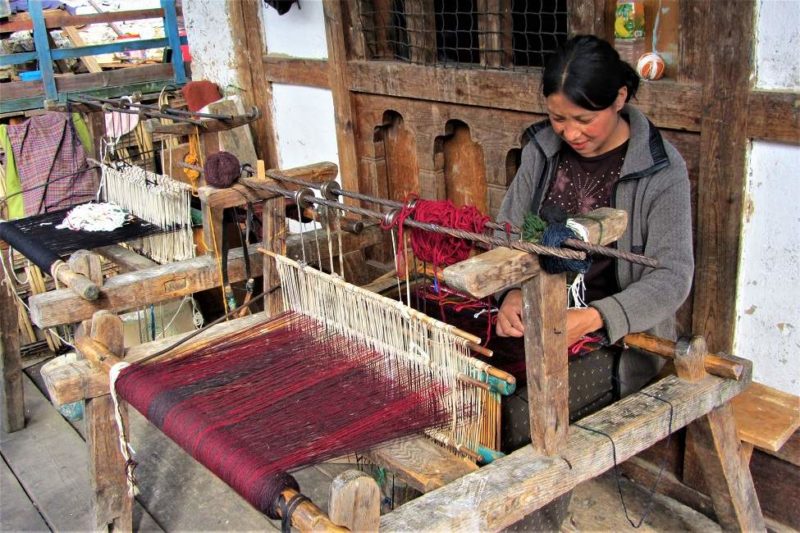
765,418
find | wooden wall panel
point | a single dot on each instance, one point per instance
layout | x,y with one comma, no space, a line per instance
495,132
464,168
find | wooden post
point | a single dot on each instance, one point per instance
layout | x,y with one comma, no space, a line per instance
245,17
113,505
545,319
713,441
274,239
340,87
11,399
725,29
355,501
87,264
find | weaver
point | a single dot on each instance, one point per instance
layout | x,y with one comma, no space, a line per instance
342,370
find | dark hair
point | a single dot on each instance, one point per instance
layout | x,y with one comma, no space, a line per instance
588,71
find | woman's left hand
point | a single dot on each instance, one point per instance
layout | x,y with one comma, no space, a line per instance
582,321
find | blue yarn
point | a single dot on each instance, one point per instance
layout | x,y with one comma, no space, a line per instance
554,236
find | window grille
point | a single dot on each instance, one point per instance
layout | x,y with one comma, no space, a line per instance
502,34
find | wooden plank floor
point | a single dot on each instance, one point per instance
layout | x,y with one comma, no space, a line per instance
45,485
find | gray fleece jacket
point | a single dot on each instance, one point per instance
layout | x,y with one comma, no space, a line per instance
654,190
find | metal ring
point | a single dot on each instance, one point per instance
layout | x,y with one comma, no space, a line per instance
326,189
389,217
301,198
412,203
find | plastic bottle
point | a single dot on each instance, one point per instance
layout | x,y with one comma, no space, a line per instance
629,30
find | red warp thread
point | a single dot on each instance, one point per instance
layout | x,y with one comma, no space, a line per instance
251,409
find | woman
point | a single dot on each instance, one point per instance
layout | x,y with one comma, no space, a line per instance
595,151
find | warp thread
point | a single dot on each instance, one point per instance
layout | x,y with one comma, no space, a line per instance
221,169
214,402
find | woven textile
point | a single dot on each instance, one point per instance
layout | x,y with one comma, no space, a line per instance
47,149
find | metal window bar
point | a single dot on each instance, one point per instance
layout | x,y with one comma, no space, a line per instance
498,34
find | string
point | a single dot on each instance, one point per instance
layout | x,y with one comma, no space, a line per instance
617,476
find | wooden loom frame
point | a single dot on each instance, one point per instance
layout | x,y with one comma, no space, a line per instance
513,486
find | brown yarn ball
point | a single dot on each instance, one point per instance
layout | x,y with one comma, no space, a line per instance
221,169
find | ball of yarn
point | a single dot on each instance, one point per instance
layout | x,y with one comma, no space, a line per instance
554,236
650,66
221,169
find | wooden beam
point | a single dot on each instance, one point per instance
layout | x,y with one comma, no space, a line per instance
248,41
173,280
57,19
586,17
726,474
75,38
89,83
11,399
209,125
523,481
668,104
293,71
500,268
136,289
727,30
126,260
774,116
73,381
340,87
544,316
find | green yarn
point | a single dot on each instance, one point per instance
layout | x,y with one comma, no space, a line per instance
533,228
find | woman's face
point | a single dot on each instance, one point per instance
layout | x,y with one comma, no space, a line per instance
589,133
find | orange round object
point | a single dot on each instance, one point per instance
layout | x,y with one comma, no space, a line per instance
650,66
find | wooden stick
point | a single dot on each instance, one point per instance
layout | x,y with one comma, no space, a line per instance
714,364
309,517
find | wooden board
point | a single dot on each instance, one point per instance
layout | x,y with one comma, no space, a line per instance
11,397
18,512
50,461
421,464
136,289
517,484
766,417
239,140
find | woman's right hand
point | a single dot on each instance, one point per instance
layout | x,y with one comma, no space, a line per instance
509,318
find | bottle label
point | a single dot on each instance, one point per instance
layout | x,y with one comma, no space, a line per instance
629,20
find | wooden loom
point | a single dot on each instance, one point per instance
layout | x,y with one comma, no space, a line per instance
499,495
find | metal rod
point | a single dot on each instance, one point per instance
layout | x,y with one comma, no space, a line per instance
460,234
112,105
576,244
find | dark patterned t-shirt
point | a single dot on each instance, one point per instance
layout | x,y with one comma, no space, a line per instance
582,184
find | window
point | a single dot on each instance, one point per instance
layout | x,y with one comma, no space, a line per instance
503,34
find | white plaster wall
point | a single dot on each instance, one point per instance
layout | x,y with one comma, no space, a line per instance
778,43
208,30
303,118
768,289
298,33
768,295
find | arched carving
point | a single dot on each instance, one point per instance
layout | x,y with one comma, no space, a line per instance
513,162
396,152
463,166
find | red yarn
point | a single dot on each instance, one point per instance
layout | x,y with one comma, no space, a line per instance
437,248
252,408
